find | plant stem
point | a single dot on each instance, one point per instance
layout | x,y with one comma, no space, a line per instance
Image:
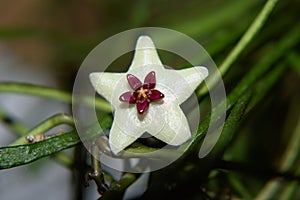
239,186
264,85
118,188
284,45
13,156
45,126
207,21
51,93
231,124
256,73
253,29
256,26
22,130
30,89
97,174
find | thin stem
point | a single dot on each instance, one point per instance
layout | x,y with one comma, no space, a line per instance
264,85
118,188
253,29
13,156
45,126
149,152
231,124
249,80
239,187
256,25
207,21
283,46
97,174
30,89
51,93
22,130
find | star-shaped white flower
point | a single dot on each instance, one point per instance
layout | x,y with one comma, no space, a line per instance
158,98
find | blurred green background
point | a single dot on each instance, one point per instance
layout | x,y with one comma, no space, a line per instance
57,36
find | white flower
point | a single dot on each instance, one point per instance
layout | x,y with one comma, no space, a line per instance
157,99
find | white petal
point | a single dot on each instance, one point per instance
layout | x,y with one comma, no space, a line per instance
133,124
105,83
194,75
145,53
165,119
118,140
183,82
176,130
175,83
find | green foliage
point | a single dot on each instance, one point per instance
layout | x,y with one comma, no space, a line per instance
260,66
13,156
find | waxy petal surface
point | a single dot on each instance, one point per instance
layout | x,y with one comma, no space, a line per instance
145,54
118,140
163,119
155,95
105,82
134,82
150,80
142,106
128,97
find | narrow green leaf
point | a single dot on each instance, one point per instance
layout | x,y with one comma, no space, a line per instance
253,29
24,154
231,124
51,93
288,42
46,125
264,85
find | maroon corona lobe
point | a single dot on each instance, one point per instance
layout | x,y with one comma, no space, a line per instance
143,94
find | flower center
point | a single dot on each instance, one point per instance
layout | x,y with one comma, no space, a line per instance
143,94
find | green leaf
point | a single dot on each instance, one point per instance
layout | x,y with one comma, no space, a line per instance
231,124
24,154
51,93
46,125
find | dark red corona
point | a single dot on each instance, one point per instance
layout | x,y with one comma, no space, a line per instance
143,94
